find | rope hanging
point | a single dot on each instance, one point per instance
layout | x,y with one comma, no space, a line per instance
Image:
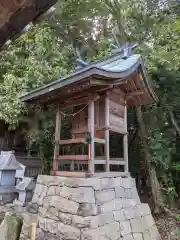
74,114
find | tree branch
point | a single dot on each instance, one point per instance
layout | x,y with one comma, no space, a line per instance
134,136
173,120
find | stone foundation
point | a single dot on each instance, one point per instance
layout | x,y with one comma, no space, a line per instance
92,209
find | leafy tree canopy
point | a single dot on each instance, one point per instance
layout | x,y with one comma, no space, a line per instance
88,29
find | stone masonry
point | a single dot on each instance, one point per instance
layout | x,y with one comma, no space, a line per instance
91,209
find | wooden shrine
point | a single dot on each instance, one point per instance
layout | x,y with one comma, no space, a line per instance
98,96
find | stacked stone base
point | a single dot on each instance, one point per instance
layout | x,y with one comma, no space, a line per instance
92,209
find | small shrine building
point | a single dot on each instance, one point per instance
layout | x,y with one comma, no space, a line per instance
98,96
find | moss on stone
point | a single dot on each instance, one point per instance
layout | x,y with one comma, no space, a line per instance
11,227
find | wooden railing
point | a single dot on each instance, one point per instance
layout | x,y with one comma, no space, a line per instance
33,165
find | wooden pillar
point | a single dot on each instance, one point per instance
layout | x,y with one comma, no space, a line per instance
57,139
91,130
107,132
125,141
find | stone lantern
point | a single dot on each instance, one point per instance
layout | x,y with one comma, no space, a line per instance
8,167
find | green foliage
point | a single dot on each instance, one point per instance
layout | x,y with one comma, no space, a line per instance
32,61
178,217
87,29
164,67
177,233
171,194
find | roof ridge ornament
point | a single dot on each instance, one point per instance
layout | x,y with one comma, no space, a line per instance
80,64
126,49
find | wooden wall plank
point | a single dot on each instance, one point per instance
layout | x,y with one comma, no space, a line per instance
80,121
119,91
116,109
118,130
116,97
96,113
116,121
101,112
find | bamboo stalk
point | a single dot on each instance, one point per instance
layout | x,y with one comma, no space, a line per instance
89,156
107,132
33,231
125,141
91,130
57,139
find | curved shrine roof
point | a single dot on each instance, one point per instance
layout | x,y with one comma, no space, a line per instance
116,71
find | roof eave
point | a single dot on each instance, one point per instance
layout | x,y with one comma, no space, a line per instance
148,82
89,72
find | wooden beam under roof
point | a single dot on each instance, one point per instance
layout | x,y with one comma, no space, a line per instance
134,94
15,15
80,101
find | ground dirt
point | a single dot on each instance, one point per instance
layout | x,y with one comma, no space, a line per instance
168,226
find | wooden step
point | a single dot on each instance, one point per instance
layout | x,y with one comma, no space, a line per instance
117,161
80,140
69,174
74,157
62,162
111,174
112,129
99,161
71,141
112,161
100,140
89,175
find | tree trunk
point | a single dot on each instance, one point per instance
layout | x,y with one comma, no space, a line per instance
157,195
174,122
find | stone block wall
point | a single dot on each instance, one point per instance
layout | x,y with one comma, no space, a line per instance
92,209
